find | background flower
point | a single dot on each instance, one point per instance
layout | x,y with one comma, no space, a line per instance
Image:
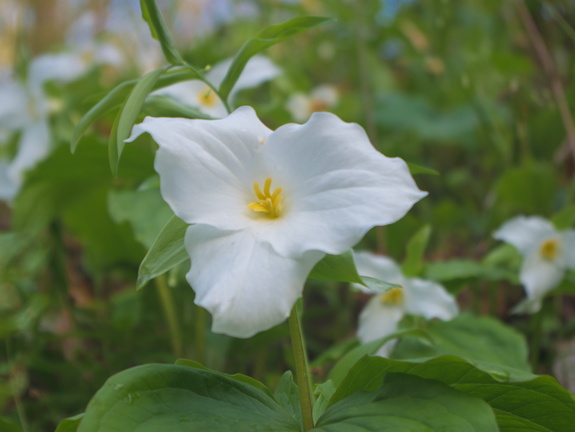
198,94
321,98
267,205
547,253
413,296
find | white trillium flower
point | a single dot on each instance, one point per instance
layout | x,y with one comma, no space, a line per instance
267,205
198,94
548,254
321,98
413,296
26,108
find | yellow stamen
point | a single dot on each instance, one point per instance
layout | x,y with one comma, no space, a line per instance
549,249
269,203
207,97
392,297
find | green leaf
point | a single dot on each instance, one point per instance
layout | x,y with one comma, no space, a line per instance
238,376
413,263
159,397
70,424
418,169
264,39
483,340
128,114
287,396
151,14
342,367
409,403
167,251
134,207
336,268
118,95
523,404
9,426
112,100
324,393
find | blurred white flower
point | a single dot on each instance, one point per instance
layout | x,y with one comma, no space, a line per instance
198,94
267,205
413,296
321,98
25,108
548,254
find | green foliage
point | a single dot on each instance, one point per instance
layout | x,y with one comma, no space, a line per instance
151,14
519,403
265,39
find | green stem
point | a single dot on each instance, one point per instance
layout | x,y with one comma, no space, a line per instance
301,369
171,315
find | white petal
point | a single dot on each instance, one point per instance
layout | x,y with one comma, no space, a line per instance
61,67
8,189
13,109
429,300
525,233
378,320
336,186
257,70
377,266
34,145
298,106
207,167
539,276
568,248
325,95
244,284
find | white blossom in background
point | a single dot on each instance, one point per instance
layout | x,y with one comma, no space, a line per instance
198,94
321,98
267,205
26,108
548,254
413,296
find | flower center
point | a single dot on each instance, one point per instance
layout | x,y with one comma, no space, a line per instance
549,249
269,203
207,97
392,297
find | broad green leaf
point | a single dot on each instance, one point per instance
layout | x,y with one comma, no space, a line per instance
9,426
336,268
323,393
167,251
342,367
134,207
413,263
264,39
118,95
129,113
70,424
152,15
483,340
409,403
528,403
287,396
166,106
158,397
238,376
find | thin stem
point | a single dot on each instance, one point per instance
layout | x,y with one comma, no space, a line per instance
301,369
169,308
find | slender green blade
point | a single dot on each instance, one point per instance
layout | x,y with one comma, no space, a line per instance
264,39
151,14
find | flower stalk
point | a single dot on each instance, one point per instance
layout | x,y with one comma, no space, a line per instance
301,369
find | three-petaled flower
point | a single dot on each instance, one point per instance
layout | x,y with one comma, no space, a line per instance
267,205
198,94
548,254
413,296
